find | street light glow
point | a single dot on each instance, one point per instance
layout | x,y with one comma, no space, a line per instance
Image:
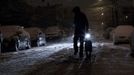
102,14
126,17
100,0
102,23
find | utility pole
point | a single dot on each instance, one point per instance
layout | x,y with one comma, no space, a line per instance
115,12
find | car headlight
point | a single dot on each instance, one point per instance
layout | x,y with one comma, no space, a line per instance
87,36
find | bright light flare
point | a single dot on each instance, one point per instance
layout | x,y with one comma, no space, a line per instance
40,38
87,36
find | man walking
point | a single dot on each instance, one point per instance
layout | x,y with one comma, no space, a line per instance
81,26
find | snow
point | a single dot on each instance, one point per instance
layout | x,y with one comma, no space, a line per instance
108,59
15,62
123,30
22,60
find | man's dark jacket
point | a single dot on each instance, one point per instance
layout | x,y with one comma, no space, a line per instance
81,23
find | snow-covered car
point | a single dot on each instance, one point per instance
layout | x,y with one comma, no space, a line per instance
122,34
14,38
37,36
22,42
54,32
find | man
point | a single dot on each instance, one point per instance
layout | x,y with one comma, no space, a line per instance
81,26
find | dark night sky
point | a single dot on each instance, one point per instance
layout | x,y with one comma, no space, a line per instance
65,2
82,3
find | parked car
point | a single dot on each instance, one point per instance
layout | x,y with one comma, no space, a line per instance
122,33
54,32
14,38
22,42
37,36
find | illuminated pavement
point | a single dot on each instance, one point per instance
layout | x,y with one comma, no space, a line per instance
57,59
13,63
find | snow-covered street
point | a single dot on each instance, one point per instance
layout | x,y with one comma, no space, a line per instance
57,59
13,63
